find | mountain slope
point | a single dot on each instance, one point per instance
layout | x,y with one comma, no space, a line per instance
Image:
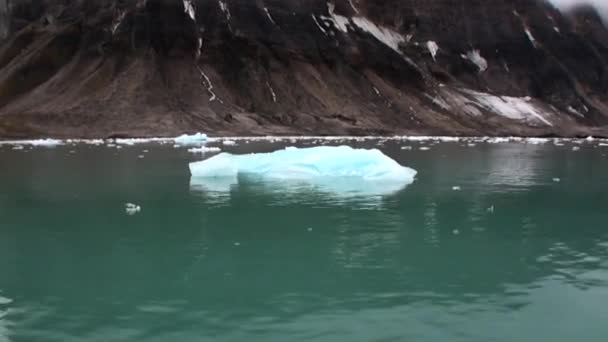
103,68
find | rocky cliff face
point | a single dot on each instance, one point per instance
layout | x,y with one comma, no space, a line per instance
163,67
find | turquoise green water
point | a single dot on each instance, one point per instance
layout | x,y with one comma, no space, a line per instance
267,263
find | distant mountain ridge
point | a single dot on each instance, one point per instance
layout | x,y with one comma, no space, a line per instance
102,68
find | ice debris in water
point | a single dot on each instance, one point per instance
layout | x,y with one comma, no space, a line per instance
132,209
195,139
229,142
456,188
37,142
204,149
556,180
335,169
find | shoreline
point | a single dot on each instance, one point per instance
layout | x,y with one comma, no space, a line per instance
194,140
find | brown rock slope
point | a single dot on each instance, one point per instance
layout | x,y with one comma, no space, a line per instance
100,68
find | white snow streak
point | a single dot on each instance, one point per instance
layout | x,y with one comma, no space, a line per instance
387,36
319,25
475,57
353,6
531,38
117,22
189,9
274,96
225,9
433,48
269,16
515,108
209,85
339,21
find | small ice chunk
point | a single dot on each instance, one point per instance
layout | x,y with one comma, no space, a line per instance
333,169
141,156
229,142
4,301
18,147
36,143
195,139
590,138
406,147
456,188
204,149
132,209
556,180
576,148
424,148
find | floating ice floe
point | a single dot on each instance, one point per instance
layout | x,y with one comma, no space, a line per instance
36,142
556,180
229,142
195,139
339,169
456,188
204,149
132,209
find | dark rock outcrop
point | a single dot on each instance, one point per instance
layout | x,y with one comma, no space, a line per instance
96,68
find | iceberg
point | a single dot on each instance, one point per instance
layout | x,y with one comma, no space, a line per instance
195,139
332,169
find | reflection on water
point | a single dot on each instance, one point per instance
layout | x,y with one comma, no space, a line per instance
322,190
286,261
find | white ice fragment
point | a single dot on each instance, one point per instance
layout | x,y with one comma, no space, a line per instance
590,138
141,156
456,188
475,57
406,147
556,180
536,141
4,301
490,209
341,169
576,148
433,48
204,149
194,139
424,148
132,209
229,142
18,147
35,143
